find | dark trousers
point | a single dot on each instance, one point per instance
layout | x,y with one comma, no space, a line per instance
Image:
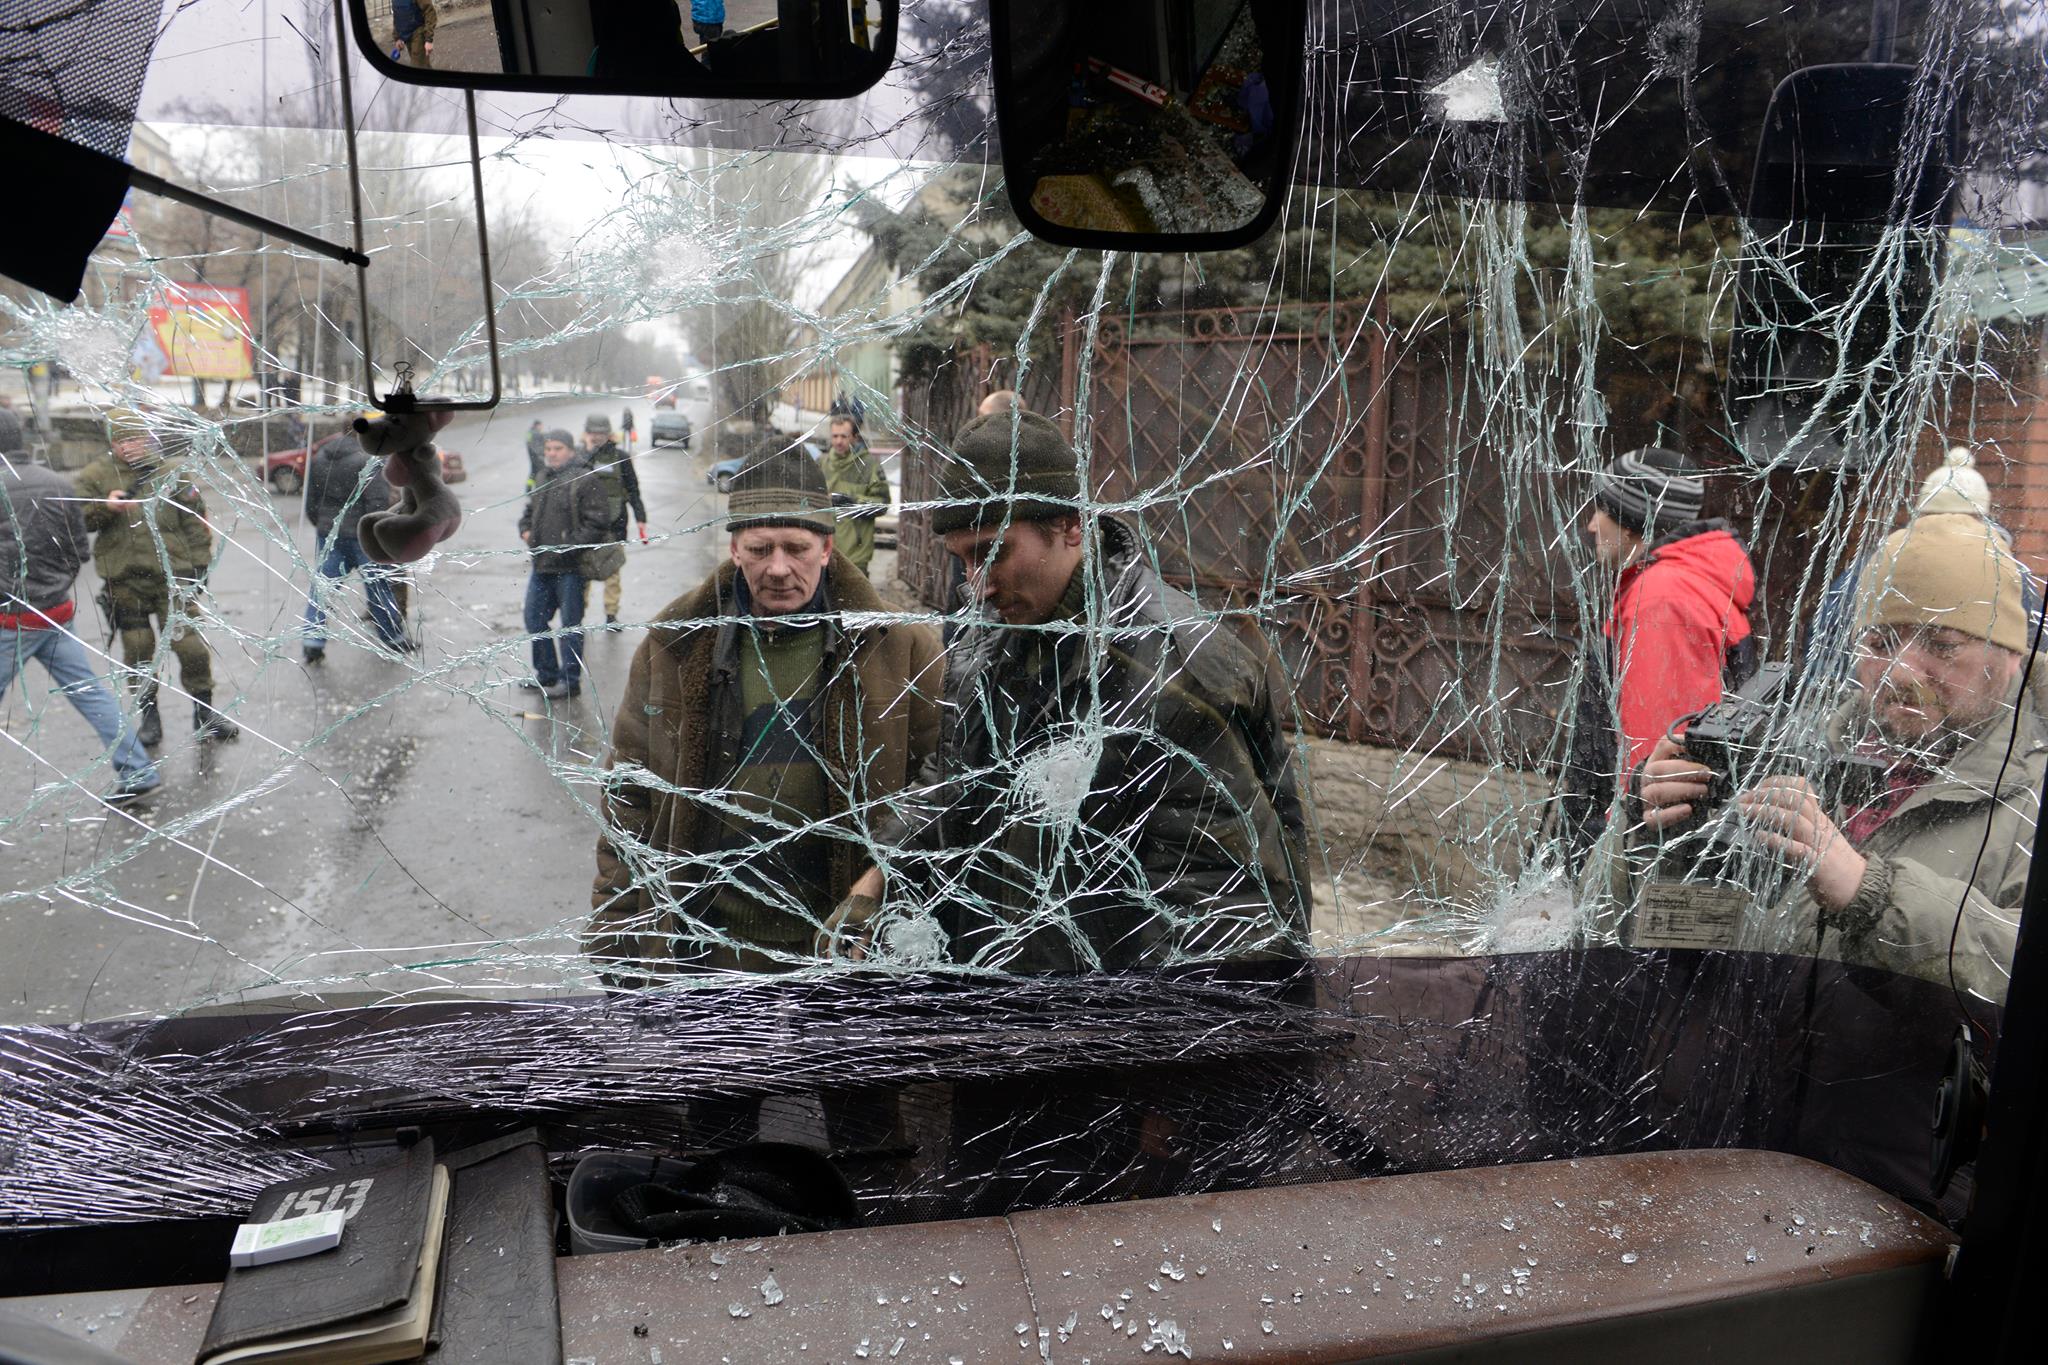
546,595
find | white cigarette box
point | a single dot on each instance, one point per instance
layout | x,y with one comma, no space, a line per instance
286,1239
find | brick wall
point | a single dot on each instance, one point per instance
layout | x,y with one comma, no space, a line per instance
2007,427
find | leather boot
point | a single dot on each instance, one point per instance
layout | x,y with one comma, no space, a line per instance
150,728
209,724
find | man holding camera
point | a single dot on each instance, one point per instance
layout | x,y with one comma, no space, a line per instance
1940,852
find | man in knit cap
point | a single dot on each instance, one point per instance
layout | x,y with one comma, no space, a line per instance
768,717
1941,850
153,549
1112,789
1954,488
1676,632
42,546
566,514
615,473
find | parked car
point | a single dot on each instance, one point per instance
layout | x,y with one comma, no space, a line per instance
671,428
285,470
721,475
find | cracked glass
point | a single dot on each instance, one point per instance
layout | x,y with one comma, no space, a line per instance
1256,748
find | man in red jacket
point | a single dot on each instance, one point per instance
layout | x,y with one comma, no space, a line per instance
1677,633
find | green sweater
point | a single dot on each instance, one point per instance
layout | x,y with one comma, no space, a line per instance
776,874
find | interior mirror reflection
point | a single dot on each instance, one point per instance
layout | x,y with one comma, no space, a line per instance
793,49
1127,121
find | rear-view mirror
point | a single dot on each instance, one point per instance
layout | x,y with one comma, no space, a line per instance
772,49
1147,124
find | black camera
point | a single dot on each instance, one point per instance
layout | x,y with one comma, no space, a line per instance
1750,734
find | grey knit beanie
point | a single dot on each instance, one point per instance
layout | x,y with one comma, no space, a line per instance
559,434
1651,490
1006,465
780,488
597,424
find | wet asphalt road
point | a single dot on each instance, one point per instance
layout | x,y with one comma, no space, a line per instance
398,826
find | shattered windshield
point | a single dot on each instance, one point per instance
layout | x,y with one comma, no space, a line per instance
1398,695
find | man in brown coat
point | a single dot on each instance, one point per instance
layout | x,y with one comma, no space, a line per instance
764,725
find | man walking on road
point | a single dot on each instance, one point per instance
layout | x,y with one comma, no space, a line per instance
566,516
42,546
413,25
860,492
136,500
342,483
614,468
707,17
759,735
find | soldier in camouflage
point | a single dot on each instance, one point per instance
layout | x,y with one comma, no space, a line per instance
153,549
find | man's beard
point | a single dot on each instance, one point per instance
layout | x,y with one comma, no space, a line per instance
1933,746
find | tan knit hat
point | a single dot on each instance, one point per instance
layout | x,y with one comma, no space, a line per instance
1946,570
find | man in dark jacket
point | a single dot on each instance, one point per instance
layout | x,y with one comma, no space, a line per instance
622,491
342,483
1112,788
566,515
774,729
1676,634
43,544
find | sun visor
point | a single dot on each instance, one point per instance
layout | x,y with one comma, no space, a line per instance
48,249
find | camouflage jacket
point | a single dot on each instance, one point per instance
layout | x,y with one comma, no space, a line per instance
166,537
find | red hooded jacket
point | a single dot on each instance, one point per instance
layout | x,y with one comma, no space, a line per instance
1677,613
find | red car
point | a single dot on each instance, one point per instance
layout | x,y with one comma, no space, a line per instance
285,470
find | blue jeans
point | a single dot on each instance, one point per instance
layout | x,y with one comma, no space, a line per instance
65,658
546,594
342,556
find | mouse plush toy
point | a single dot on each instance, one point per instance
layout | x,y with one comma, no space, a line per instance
426,513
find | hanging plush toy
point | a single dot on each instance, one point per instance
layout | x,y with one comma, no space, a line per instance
426,513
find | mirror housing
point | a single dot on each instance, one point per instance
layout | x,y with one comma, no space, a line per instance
809,49
1148,125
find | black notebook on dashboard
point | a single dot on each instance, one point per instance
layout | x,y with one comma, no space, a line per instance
366,1301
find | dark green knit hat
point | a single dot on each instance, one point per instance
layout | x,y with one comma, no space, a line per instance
780,488
1013,465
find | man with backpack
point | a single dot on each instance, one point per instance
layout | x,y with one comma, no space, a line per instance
1676,634
615,473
